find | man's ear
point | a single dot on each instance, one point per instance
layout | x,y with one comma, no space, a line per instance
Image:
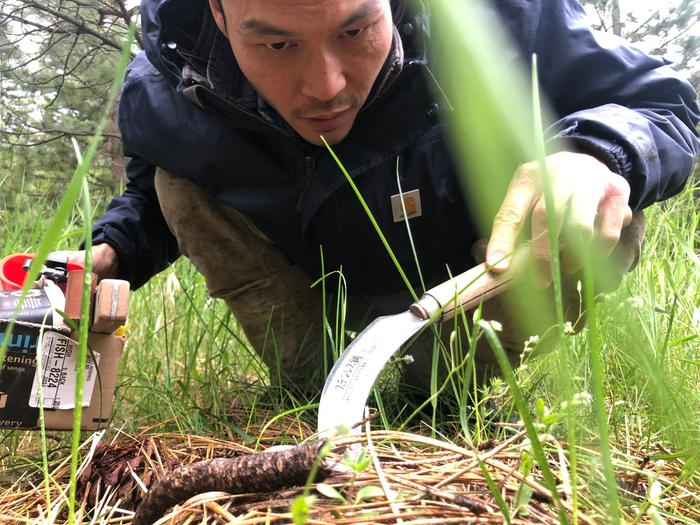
217,11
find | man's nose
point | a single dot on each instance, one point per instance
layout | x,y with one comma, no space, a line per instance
324,78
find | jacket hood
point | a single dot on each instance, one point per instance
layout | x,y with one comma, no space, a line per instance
166,24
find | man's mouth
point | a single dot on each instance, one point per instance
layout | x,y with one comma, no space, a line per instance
324,122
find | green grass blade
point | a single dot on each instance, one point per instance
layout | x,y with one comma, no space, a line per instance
82,341
42,421
370,215
598,393
493,488
547,190
521,404
80,181
565,346
408,226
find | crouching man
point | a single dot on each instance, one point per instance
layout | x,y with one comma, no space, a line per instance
222,117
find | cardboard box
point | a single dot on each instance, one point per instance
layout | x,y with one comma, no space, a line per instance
19,381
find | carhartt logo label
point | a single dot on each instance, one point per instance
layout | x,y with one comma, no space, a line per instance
411,203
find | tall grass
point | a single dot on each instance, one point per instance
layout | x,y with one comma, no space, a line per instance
187,365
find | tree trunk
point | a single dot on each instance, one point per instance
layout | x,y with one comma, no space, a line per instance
616,23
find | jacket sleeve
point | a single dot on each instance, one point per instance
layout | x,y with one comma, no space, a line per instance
134,226
630,110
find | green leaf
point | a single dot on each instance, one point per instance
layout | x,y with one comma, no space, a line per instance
369,492
495,492
330,492
71,324
300,509
526,464
550,419
372,219
522,497
539,408
357,465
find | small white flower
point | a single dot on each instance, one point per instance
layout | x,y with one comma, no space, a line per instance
635,301
497,327
531,343
533,340
582,399
408,359
569,328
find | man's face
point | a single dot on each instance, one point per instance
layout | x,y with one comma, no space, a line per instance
314,61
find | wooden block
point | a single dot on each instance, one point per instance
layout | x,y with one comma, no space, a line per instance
74,293
111,306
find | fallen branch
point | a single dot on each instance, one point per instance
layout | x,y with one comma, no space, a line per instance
264,472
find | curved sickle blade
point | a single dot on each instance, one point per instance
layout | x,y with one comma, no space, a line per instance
349,383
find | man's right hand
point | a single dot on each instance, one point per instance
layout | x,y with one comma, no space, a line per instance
105,261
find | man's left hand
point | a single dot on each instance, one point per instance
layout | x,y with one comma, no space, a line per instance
590,208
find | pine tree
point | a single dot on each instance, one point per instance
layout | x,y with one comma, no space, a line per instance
670,29
57,62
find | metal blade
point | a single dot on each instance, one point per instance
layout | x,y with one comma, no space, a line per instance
349,383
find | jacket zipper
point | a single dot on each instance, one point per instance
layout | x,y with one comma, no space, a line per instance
308,174
385,82
309,159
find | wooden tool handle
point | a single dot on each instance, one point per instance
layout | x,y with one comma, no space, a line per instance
467,289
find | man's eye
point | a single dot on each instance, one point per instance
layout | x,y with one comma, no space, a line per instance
350,33
278,46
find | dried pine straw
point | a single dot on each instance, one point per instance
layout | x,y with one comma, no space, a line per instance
426,481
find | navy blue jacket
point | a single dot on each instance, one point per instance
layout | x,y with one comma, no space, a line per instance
187,108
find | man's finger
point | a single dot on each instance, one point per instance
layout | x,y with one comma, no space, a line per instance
579,230
613,216
509,221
